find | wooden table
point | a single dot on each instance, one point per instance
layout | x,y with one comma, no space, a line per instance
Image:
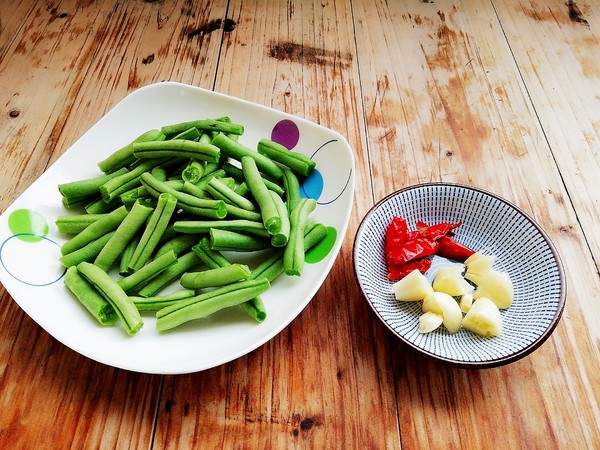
499,94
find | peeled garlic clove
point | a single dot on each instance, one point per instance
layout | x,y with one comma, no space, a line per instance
477,265
413,287
444,305
465,302
497,286
429,321
449,279
483,318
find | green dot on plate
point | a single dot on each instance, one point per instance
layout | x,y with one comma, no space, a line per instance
322,249
28,225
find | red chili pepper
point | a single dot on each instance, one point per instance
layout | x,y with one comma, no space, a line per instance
449,248
413,249
397,272
434,232
396,234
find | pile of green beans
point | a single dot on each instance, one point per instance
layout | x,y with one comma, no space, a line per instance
165,207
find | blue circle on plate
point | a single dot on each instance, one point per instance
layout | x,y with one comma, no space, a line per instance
19,262
312,187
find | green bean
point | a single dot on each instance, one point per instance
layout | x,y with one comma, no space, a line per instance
112,292
193,171
158,222
95,230
266,205
73,202
208,303
195,190
86,253
87,188
124,156
214,260
225,240
191,134
220,191
158,302
125,232
237,151
184,263
179,244
238,174
204,226
291,186
160,173
99,206
143,276
204,125
280,238
215,277
208,175
124,269
90,298
293,256
118,185
77,223
187,202
176,148
272,267
298,162
241,213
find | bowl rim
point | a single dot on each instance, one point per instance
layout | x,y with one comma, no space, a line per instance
496,362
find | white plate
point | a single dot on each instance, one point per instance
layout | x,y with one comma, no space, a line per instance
31,273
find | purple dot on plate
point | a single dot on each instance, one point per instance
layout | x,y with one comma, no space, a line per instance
286,133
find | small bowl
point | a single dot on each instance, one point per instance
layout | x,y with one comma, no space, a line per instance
491,225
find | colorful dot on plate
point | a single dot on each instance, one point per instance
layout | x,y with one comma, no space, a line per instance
28,225
312,187
322,249
286,133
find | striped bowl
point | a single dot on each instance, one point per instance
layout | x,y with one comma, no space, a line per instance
491,225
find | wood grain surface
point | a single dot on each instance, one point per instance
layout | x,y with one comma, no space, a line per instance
503,95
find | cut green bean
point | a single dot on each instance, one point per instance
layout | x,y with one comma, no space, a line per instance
221,191
95,230
193,171
298,162
204,125
225,240
124,156
215,277
195,190
237,151
99,206
86,253
185,263
161,301
123,235
291,186
235,212
208,303
112,292
254,307
160,173
205,226
88,187
238,174
191,134
124,269
115,187
280,238
187,202
176,148
266,205
156,226
143,276
293,257
90,298
77,223
179,244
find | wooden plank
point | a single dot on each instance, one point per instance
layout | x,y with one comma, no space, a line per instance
452,106
323,379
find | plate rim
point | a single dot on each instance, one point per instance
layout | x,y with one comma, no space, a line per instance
490,363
